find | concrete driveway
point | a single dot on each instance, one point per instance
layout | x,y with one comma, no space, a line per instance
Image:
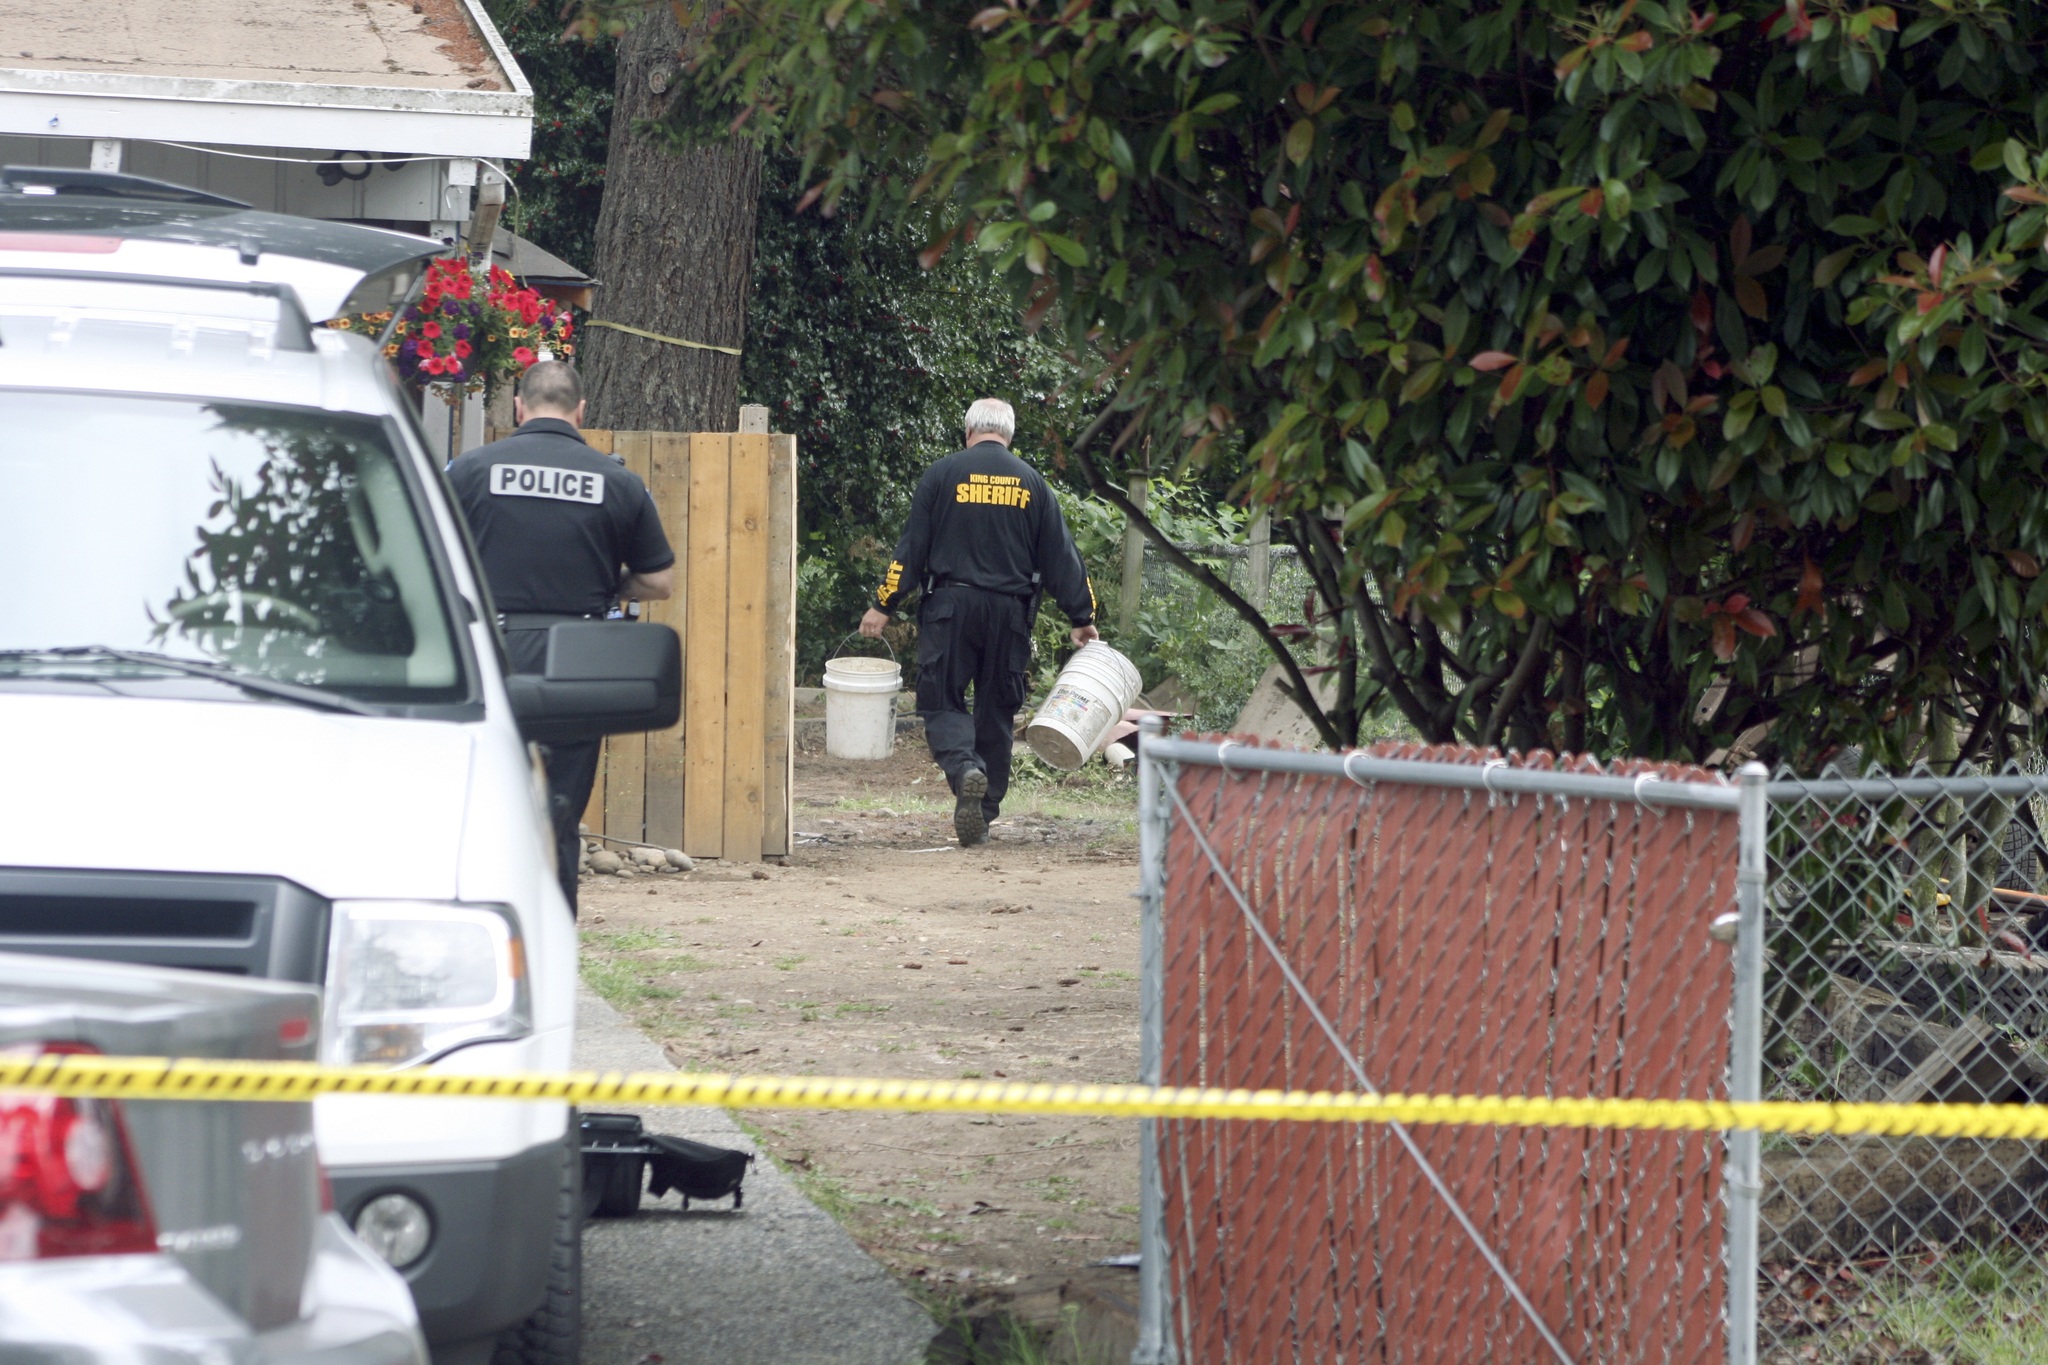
779,1283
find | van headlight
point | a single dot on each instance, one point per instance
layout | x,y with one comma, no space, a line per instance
410,981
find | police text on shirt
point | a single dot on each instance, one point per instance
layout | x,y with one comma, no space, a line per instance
544,481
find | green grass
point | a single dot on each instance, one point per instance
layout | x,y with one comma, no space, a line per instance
790,963
898,802
1976,1307
622,987
626,940
860,1007
1009,1340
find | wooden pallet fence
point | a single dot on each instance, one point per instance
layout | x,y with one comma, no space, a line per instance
717,784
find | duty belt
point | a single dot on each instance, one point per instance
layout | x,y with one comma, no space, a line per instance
540,620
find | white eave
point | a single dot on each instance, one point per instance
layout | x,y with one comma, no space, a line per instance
430,119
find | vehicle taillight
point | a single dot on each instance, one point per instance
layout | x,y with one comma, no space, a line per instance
69,1185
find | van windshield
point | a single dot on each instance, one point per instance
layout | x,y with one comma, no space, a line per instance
261,541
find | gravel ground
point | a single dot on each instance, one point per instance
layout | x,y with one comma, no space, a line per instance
779,1283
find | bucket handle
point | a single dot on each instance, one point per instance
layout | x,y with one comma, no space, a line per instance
852,634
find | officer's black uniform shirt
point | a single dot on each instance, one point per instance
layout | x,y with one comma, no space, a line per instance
983,517
553,520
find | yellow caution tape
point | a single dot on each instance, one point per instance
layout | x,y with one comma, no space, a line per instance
656,336
166,1078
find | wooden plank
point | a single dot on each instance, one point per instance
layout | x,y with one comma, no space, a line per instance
704,681
593,810
625,788
598,439
779,720
746,647
668,479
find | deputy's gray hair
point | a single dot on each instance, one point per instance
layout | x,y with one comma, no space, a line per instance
991,415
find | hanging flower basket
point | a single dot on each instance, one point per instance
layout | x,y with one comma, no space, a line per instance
470,330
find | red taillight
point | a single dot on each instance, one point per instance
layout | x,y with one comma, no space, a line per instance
69,1185
326,1188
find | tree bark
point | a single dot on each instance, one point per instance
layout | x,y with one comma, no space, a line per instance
675,255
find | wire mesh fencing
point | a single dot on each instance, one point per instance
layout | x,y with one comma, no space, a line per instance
1904,926
1440,921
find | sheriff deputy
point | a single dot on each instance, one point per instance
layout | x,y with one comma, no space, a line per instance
985,539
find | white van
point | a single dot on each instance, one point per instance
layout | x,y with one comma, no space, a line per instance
254,716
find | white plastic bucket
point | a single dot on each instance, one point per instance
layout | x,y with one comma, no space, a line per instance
1092,693
860,706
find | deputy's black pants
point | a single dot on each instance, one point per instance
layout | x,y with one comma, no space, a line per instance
967,636
571,767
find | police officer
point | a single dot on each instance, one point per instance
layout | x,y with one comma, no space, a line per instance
563,532
985,538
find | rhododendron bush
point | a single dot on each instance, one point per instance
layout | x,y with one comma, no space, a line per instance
1632,376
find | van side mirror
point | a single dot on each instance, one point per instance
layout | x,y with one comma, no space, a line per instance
602,678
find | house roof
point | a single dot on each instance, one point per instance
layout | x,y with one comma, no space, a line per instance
529,262
427,77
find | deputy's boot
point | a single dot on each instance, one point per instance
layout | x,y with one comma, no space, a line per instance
969,821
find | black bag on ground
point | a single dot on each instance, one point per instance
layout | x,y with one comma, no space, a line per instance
618,1153
696,1169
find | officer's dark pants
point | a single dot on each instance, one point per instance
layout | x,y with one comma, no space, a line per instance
571,768
967,636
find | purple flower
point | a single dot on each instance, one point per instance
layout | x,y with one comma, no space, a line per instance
408,348
462,331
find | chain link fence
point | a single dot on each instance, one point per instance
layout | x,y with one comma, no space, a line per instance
1445,921
1433,921
1904,924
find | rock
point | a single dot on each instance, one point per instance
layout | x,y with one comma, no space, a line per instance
605,862
679,860
832,881
760,874
1840,1196
649,857
627,870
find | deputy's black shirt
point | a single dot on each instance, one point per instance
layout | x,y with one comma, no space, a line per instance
554,520
983,517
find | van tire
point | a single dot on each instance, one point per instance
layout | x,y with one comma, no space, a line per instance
554,1334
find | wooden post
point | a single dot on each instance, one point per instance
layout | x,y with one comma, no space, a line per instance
746,649
704,680
625,797
1261,559
753,420
1134,566
600,440
668,480
777,767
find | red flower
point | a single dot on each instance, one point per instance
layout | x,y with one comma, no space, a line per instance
430,330
462,348
524,355
568,329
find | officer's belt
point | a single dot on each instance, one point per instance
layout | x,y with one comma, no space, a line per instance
938,584
538,620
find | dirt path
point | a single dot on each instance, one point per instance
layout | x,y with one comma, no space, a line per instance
881,949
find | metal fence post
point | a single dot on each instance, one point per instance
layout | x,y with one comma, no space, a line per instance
1155,1335
1746,1064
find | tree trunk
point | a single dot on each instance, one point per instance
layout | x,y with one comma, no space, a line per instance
675,256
